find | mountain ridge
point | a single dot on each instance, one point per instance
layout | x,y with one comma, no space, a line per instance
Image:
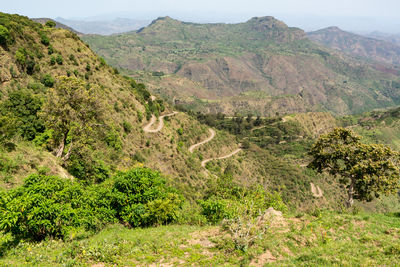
231,62
357,45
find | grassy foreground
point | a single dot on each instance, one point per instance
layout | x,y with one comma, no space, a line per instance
323,238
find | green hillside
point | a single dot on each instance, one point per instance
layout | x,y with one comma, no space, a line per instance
94,170
260,66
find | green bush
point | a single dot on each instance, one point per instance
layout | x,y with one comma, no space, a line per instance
7,128
102,62
4,35
113,140
24,107
216,209
47,80
143,199
44,39
50,51
59,59
42,139
21,56
50,24
127,126
227,200
87,169
47,206
61,208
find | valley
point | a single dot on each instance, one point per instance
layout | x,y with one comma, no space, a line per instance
188,144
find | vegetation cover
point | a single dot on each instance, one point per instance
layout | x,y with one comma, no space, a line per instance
102,190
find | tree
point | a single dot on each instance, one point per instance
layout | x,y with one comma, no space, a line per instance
22,107
4,35
367,170
50,24
71,111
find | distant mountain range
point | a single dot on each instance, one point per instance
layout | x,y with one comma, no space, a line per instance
358,45
393,38
260,66
104,27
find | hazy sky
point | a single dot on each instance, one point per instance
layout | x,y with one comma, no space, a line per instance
356,15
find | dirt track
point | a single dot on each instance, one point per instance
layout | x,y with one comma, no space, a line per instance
203,142
204,162
148,129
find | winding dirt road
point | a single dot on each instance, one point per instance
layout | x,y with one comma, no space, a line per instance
203,142
153,119
204,162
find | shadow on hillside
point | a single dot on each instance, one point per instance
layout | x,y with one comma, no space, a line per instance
7,245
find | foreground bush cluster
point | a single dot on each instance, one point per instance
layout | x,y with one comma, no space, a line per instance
51,206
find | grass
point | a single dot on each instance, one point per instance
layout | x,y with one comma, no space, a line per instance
320,238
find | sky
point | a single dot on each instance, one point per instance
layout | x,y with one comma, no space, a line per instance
354,15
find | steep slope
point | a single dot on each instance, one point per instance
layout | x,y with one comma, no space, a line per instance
231,65
357,45
64,111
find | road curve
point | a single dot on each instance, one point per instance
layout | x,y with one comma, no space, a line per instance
204,162
203,142
148,129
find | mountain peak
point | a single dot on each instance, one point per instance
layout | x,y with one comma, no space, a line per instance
162,19
267,22
334,29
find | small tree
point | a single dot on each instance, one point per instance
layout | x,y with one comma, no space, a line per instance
72,111
367,170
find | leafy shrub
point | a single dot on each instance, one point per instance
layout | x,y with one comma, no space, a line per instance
44,39
143,199
227,200
127,126
46,206
87,169
31,66
50,24
113,140
180,131
215,209
102,62
42,139
24,107
52,61
59,59
140,116
140,90
51,206
7,128
47,80
4,35
21,56
50,51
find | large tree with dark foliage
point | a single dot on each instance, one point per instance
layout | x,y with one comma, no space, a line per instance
367,170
